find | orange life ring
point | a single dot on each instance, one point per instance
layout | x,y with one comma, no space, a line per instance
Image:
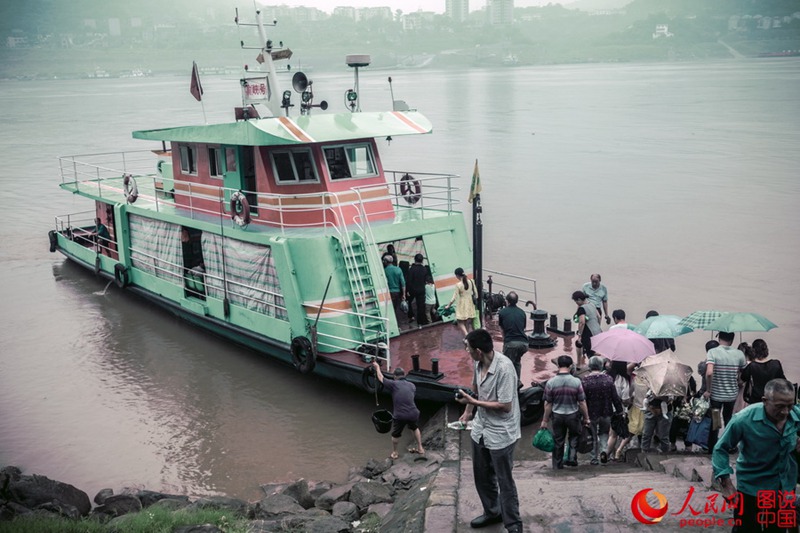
410,188
240,209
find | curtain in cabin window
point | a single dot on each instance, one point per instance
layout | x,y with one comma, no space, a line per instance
156,248
406,249
249,272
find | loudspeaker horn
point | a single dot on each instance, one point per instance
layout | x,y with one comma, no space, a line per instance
299,82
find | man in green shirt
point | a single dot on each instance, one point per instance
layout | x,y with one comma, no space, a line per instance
766,473
396,282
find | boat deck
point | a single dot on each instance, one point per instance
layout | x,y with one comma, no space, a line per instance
445,343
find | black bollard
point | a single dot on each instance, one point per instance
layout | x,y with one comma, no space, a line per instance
540,338
567,325
554,321
434,366
415,362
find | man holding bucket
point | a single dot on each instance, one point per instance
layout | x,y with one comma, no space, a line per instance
404,410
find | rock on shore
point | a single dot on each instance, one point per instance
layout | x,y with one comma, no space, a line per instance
394,494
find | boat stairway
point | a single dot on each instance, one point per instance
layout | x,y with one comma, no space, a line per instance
363,293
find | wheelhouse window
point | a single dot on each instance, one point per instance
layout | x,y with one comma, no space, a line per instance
293,166
215,169
350,161
230,159
188,159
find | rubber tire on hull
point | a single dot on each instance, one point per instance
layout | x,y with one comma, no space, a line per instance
530,412
121,275
53,240
303,357
369,380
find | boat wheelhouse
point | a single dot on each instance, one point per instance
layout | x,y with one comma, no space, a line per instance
270,231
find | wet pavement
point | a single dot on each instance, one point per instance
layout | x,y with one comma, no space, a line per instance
587,498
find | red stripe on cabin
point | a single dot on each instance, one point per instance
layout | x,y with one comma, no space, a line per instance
295,130
413,125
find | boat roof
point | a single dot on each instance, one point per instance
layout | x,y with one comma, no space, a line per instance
298,130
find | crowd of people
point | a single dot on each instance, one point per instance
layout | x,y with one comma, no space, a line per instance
742,391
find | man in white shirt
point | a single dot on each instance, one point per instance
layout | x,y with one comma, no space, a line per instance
598,295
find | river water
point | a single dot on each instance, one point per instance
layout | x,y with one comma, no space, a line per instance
679,183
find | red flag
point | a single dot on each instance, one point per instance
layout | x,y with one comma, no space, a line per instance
195,88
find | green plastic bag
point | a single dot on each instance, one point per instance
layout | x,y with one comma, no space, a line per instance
543,440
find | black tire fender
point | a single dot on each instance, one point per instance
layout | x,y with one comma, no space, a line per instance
53,240
369,380
531,405
303,357
121,277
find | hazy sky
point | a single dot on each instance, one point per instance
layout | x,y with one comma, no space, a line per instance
405,5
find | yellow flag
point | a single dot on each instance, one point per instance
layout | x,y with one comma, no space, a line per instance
475,188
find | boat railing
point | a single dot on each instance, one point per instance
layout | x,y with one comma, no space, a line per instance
380,349
102,175
525,287
171,271
80,227
436,191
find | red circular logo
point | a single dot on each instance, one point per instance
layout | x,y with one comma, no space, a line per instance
646,513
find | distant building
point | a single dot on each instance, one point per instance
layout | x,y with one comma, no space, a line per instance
418,20
662,30
374,13
114,28
294,14
13,41
501,12
345,11
458,10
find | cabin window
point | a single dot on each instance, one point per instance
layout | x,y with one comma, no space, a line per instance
350,161
188,160
293,166
215,162
230,159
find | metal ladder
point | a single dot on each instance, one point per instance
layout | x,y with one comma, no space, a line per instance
363,293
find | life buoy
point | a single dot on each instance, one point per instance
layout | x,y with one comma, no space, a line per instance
129,188
240,209
121,275
53,240
303,357
410,188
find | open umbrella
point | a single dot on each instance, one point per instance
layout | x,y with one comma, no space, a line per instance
699,319
665,374
622,344
662,327
731,322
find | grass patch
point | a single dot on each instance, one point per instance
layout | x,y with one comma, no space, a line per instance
154,520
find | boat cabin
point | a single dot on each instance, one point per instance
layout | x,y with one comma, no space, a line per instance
309,171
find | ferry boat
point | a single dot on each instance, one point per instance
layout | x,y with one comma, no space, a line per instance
269,230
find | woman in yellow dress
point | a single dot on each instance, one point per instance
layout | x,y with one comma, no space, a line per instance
463,294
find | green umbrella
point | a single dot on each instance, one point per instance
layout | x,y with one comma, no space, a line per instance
732,322
662,327
700,319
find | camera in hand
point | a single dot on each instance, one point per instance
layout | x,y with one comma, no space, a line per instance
459,395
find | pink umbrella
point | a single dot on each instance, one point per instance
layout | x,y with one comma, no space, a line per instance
622,344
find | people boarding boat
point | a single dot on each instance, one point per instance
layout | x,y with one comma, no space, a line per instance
270,230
